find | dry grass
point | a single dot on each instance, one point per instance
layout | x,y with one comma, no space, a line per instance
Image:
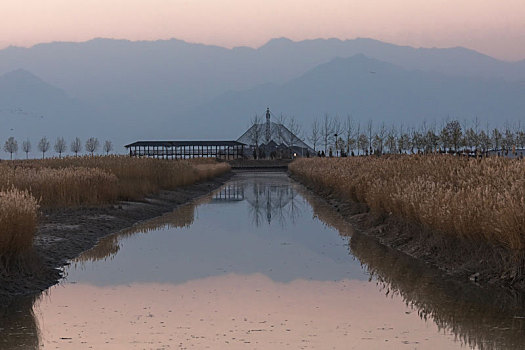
67,182
476,200
18,219
71,186
97,180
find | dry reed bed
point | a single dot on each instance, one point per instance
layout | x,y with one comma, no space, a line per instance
68,182
472,199
97,180
71,186
18,219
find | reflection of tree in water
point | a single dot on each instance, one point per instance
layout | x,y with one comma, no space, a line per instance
326,214
487,318
480,317
18,324
272,201
182,216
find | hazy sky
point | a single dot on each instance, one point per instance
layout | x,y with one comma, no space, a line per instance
495,27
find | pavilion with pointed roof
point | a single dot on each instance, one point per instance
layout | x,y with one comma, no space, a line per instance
270,137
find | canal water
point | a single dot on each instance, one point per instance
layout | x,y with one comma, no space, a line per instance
259,264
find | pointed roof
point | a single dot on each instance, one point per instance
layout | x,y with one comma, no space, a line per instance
278,134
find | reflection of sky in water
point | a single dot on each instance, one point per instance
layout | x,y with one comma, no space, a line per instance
233,237
234,312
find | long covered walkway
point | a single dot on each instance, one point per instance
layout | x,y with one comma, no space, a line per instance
186,149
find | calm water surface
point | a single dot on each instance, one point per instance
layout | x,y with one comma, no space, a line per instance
259,264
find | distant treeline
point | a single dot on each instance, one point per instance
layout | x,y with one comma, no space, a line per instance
330,134
60,146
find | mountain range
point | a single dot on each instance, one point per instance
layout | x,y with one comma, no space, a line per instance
124,90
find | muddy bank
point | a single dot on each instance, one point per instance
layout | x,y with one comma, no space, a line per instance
64,234
464,260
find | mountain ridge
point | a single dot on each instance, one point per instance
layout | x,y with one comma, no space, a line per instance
172,89
31,108
370,89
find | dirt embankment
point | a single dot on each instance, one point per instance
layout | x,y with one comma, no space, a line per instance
465,260
64,234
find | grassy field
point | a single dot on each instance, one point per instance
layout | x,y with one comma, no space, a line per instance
26,186
480,200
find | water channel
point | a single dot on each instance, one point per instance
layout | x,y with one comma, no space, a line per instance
259,264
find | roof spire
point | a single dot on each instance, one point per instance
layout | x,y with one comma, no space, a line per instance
268,128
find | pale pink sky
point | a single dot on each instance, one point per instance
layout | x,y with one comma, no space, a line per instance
494,27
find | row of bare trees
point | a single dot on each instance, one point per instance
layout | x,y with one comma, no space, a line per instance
348,136
345,136
60,146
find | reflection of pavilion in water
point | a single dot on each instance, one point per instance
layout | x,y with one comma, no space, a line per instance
270,201
267,200
232,192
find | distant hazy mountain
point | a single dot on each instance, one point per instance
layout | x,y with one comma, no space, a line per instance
145,78
369,89
31,109
23,93
164,89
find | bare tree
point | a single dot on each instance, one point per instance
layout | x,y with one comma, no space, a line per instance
520,139
496,139
26,147
380,137
340,145
416,141
108,146
43,146
60,146
454,133
508,139
338,130
92,145
349,131
390,141
403,142
76,146
11,146
369,130
315,136
484,141
444,138
431,140
362,143
327,130
357,134
471,139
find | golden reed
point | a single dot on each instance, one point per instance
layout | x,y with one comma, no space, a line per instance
475,199
18,219
78,181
